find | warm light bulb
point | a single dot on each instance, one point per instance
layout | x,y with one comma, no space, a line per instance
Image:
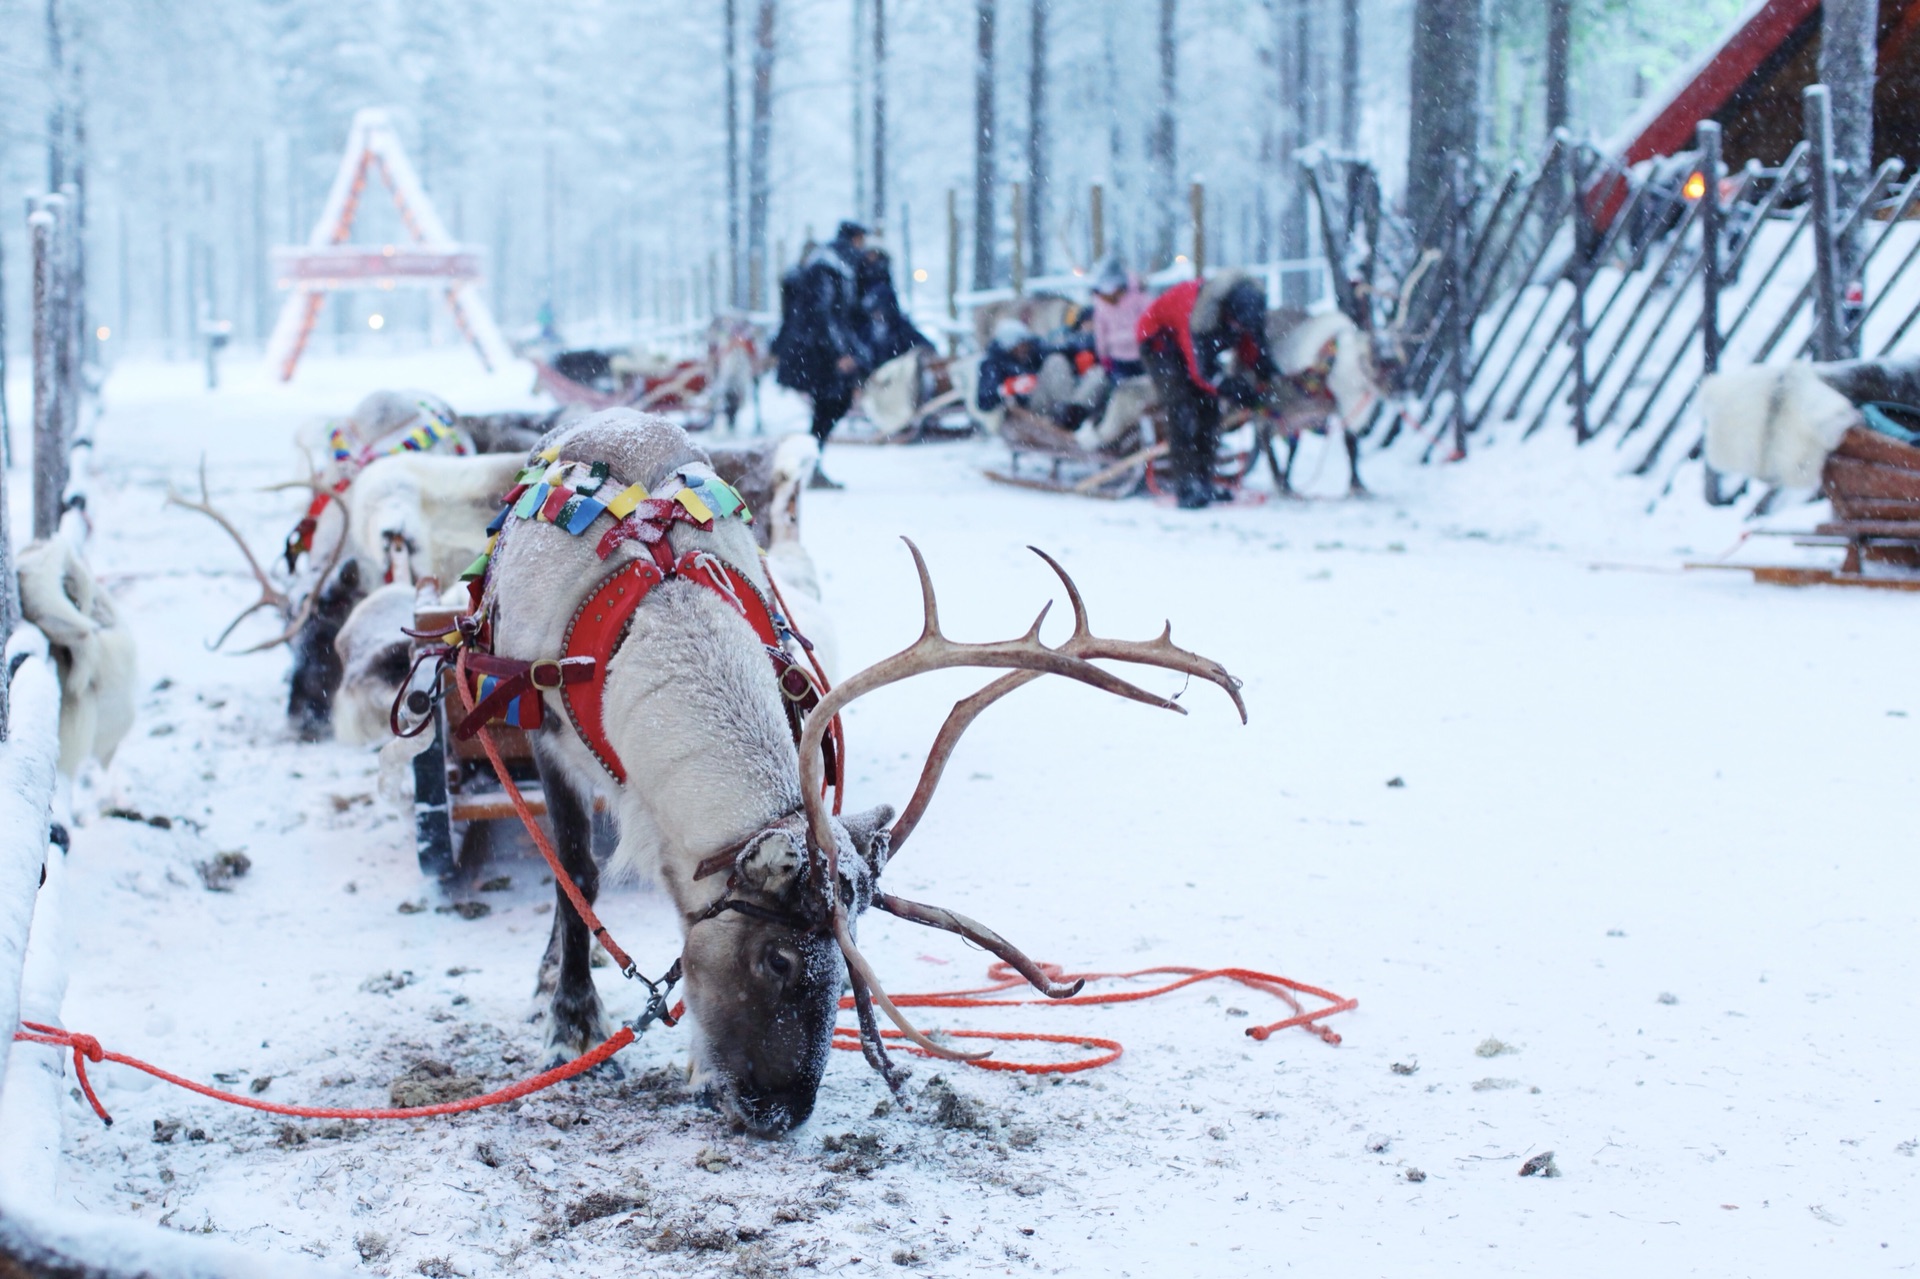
1696,186
1179,257
920,275
376,321
103,333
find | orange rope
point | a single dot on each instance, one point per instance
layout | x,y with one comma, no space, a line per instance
86,1048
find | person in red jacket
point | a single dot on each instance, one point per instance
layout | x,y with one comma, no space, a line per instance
1184,336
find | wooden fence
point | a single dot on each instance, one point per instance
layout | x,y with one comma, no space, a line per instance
1580,296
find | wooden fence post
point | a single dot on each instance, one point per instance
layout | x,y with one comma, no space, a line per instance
1019,239
953,252
1826,300
1098,210
1577,171
1197,203
49,444
1460,324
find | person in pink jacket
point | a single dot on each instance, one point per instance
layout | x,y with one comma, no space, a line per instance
1118,301
1119,392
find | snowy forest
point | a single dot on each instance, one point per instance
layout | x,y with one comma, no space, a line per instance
625,161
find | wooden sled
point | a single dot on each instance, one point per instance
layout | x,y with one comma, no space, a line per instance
1873,482
1068,467
452,780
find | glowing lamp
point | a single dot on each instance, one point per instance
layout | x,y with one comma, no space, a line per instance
376,321
1696,186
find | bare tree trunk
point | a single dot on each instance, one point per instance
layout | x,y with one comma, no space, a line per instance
1848,34
1163,143
983,172
730,46
1037,142
1559,59
6,430
1444,115
880,116
57,109
759,151
1290,59
1349,75
856,65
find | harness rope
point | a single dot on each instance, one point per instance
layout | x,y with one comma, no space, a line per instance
86,1048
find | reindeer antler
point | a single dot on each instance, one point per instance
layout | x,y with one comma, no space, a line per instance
1030,658
271,596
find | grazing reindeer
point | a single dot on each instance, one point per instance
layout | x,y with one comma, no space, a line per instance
92,649
681,724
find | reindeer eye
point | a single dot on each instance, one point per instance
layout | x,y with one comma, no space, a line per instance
778,964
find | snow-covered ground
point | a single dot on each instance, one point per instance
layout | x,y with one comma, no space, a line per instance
1618,860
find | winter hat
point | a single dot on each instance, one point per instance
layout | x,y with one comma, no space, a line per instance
1110,277
1011,332
847,230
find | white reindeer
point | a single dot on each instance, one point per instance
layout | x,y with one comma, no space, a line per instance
718,804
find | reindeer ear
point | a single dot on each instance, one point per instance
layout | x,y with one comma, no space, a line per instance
770,865
870,836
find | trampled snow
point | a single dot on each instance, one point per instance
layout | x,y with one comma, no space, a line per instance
1651,847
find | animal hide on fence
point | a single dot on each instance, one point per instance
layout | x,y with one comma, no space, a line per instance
92,649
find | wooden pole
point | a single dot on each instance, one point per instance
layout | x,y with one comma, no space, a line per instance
1197,201
1099,220
953,251
1826,302
49,446
1019,239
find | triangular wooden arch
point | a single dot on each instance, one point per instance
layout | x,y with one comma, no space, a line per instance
327,263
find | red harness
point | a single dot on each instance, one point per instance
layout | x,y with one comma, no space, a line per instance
601,624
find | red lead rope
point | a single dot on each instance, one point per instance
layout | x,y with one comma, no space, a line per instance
86,1048
1003,977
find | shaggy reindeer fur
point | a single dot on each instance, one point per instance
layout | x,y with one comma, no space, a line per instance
693,710
92,648
373,652
1776,425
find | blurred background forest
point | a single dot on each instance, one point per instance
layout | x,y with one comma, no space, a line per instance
626,162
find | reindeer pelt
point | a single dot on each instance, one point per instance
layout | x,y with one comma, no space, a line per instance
1774,424
1351,379
892,392
374,652
92,648
420,515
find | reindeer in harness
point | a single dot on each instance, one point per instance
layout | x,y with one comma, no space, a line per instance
624,613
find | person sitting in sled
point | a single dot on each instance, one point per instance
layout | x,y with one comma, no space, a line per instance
1184,335
1010,368
1121,392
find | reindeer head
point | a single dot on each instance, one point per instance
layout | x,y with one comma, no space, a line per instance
764,963
764,972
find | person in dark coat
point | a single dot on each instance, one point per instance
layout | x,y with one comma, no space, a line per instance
1183,336
889,332
823,345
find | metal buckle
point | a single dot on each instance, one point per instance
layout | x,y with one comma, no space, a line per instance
559,674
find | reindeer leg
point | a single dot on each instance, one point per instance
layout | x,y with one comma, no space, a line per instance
575,1019
1355,487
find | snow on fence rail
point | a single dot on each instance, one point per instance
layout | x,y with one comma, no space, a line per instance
1592,298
